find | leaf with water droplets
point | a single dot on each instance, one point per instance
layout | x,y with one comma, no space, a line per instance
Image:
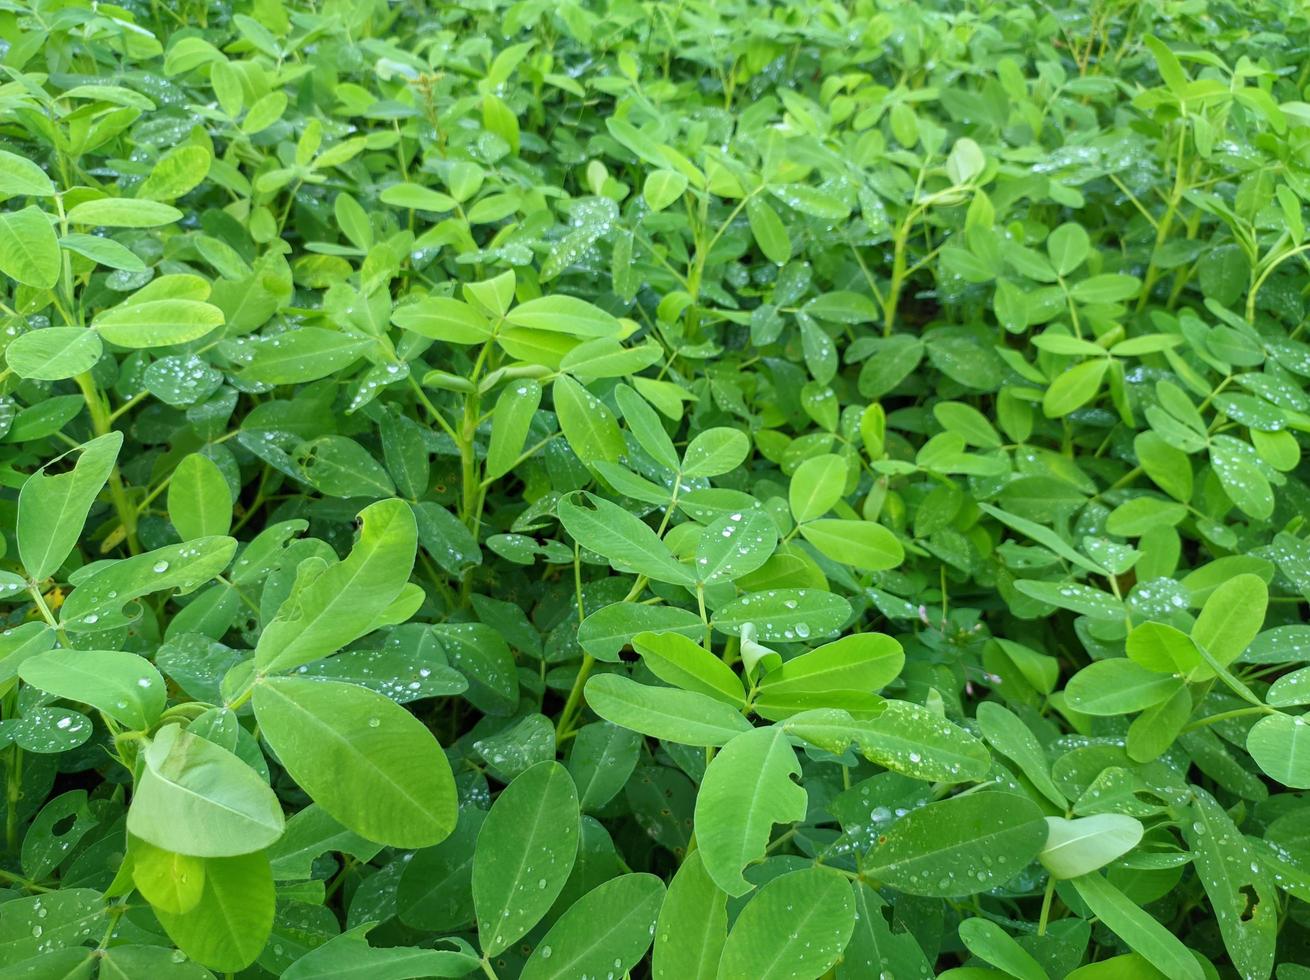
360,756
747,788
607,930
796,925
124,686
524,854
960,845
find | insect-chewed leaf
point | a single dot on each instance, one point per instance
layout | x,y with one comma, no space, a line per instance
347,599
747,788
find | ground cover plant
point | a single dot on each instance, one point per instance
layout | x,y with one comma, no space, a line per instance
687,490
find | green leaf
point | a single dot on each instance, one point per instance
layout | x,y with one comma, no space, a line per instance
121,212
1137,928
590,428
20,177
686,717
525,851
364,759
229,926
1013,739
53,354
989,942
1280,745
662,188
608,929
196,798
168,881
909,739
105,595
842,673
29,250
734,546
714,452
861,544
1078,847
157,323
564,314
677,660
301,355
747,788
628,543
1231,617
783,614
646,427
1072,389
199,501
1118,687
769,232
692,926
124,686
178,171
1068,246
959,846
350,957
53,509
510,423
344,601
443,318
417,198
815,904
816,486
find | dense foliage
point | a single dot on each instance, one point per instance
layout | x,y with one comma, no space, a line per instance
689,490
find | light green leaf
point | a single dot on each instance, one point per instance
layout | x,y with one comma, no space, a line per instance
692,926
199,501
816,486
861,544
53,509
589,426
230,925
124,686
53,354
196,798
364,759
510,422
344,601
747,788
627,542
1136,927
29,250
157,323
662,188
783,614
685,717
1078,847
677,660
121,212
714,452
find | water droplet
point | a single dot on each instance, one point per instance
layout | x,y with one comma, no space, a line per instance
160,566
